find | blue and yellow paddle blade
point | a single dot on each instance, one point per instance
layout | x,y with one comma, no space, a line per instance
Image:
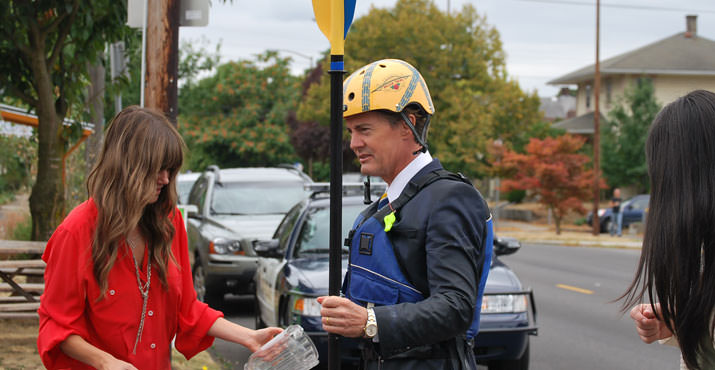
334,18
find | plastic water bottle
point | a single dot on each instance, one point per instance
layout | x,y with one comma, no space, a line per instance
290,350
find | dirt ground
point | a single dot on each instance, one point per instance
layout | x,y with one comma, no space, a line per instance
18,349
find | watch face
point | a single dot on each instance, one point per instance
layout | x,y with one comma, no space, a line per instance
371,330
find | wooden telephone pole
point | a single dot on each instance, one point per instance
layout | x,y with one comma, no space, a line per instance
596,127
162,57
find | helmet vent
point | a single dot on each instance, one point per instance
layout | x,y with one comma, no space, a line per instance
351,96
382,66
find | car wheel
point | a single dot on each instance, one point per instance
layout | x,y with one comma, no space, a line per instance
259,324
521,363
203,292
606,225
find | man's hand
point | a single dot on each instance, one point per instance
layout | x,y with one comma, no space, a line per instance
648,326
342,316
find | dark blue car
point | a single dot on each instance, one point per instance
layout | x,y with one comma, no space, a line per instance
633,210
294,272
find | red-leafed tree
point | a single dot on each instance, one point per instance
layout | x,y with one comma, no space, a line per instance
553,169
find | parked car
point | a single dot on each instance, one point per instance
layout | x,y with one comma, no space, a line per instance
184,182
633,210
294,273
235,207
357,177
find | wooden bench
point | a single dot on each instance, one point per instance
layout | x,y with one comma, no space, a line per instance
25,299
28,287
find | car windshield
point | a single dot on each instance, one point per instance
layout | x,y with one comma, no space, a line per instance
315,233
256,198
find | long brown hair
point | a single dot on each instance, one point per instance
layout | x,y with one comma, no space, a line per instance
677,264
138,144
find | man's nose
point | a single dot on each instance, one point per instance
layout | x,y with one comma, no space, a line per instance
355,142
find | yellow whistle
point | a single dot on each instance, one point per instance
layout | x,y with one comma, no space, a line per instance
389,220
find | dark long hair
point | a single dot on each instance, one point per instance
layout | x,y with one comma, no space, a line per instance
138,144
678,256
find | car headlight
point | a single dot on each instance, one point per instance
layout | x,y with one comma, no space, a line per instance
225,246
306,306
504,303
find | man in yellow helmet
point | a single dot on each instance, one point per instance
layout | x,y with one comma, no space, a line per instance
419,257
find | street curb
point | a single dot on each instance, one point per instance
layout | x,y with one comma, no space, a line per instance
586,243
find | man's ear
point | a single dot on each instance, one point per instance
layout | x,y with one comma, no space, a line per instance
406,131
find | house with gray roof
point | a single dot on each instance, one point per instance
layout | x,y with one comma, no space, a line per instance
676,65
558,107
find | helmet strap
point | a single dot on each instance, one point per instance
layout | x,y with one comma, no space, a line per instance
420,138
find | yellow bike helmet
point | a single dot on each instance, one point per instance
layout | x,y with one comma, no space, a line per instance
389,84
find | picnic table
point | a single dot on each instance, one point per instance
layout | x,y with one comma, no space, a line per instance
22,303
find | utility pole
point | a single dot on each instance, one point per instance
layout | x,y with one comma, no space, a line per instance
596,127
162,56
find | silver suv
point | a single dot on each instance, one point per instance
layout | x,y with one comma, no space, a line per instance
236,207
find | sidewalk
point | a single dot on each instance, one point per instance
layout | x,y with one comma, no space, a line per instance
570,235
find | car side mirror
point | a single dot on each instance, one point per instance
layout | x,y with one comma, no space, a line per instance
267,248
629,207
505,246
192,211
188,210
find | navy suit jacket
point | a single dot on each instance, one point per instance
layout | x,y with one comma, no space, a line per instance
438,238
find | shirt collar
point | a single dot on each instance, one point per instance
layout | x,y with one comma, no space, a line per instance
407,173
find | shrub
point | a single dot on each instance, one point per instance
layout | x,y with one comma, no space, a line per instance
516,196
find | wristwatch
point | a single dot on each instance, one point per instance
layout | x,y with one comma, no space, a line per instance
371,325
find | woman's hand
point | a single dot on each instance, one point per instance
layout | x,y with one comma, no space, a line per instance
114,364
261,337
648,326
79,349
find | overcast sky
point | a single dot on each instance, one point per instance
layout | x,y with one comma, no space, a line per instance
543,39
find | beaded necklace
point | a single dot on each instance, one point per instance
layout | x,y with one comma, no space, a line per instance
143,290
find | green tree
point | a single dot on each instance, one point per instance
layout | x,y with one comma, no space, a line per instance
624,134
17,156
237,117
47,46
461,58
195,57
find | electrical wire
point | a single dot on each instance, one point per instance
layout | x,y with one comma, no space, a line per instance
621,6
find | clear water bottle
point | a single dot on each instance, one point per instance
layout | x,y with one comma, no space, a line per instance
290,350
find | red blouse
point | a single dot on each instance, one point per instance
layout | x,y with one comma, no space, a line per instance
69,304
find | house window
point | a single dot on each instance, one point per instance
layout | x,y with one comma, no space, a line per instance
608,92
588,96
642,80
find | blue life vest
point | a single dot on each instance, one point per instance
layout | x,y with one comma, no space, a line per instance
374,274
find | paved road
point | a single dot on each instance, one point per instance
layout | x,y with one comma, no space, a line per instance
238,309
577,330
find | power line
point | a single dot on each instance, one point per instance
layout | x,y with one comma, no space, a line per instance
621,6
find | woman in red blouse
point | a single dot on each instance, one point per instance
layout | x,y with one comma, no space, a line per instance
118,284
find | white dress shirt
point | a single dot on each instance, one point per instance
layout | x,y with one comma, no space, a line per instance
400,181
